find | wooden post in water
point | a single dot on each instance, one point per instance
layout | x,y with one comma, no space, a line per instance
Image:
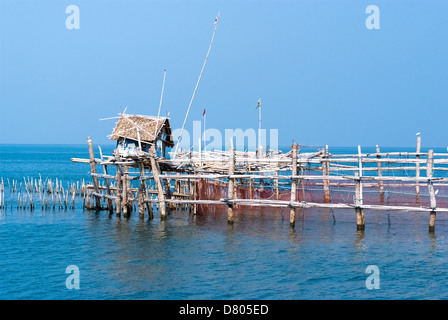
155,171
230,186
417,166
432,197
93,170
360,225
141,201
119,191
292,211
276,185
326,172
142,192
195,194
128,189
251,184
125,192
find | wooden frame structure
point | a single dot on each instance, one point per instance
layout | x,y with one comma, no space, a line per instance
178,181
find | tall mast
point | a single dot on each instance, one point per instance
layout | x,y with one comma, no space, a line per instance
197,84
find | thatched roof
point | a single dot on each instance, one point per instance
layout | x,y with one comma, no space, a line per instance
149,128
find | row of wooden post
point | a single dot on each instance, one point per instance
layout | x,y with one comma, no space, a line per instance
360,219
122,201
64,198
360,222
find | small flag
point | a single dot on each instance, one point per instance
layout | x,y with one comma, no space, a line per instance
203,113
259,103
216,20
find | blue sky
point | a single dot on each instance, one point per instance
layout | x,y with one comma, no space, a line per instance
322,76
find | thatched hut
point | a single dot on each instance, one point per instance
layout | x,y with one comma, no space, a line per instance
138,133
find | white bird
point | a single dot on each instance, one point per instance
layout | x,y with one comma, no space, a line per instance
417,133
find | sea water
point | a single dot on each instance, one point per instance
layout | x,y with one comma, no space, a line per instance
200,256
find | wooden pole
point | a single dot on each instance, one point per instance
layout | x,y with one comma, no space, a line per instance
230,182
110,207
143,194
196,88
119,191
432,197
156,171
380,174
292,211
125,191
276,185
417,165
360,225
141,201
326,172
251,185
93,170
194,187
128,188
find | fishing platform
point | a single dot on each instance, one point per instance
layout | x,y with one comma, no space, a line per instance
147,175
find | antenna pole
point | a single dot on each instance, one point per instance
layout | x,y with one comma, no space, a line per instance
161,95
205,138
197,84
259,125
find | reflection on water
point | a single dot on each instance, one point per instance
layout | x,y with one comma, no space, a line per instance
202,257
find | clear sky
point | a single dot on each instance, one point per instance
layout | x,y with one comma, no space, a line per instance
323,77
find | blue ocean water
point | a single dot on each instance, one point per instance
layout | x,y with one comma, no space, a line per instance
200,256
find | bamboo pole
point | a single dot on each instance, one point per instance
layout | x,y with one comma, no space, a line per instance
230,182
125,194
93,170
155,170
326,172
292,211
195,194
417,165
380,173
141,192
432,197
360,225
129,190
276,185
119,192
197,84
